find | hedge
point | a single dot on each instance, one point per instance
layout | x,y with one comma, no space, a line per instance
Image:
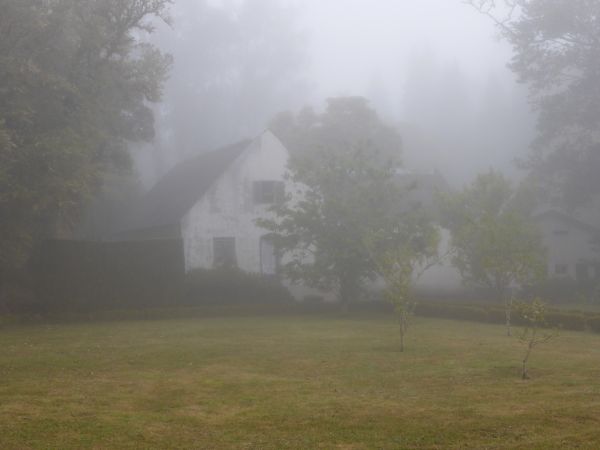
568,320
232,287
594,323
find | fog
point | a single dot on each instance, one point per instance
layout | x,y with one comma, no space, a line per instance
299,224
435,69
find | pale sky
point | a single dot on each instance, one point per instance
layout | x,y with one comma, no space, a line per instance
353,42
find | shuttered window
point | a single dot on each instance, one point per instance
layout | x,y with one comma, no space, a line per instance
268,192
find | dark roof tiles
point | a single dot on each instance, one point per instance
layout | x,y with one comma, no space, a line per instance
181,188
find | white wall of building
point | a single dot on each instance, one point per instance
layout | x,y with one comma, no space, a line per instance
228,209
566,244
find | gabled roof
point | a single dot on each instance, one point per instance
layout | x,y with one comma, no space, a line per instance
181,188
556,213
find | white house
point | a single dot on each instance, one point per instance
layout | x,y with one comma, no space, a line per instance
212,202
570,245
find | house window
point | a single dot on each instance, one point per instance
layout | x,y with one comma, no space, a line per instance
561,269
268,192
224,252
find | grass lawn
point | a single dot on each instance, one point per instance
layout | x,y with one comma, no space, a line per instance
293,382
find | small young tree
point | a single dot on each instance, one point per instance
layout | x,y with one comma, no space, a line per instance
534,314
401,256
495,243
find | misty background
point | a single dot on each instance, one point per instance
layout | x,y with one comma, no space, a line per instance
435,69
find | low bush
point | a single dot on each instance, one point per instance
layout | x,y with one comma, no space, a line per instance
452,311
564,290
496,315
567,320
593,323
232,287
377,305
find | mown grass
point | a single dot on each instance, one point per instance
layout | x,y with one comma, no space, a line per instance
293,382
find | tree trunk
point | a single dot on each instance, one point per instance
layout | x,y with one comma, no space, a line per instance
403,325
524,374
401,341
3,295
507,300
508,311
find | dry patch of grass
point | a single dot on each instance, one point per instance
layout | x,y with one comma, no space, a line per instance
293,382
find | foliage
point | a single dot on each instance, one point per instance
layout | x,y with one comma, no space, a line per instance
449,310
347,123
534,314
566,320
75,83
344,190
401,255
480,312
86,276
495,243
594,323
232,287
556,47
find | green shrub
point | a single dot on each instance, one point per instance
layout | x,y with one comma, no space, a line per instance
496,315
564,290
452,311
567,320
594,323
232,287
8,320
372,306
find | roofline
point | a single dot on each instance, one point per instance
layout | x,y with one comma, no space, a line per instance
566,216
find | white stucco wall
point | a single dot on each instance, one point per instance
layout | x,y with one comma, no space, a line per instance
228,209
565,243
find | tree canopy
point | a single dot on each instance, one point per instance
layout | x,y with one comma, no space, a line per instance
344,167
556,47
76,81
496,243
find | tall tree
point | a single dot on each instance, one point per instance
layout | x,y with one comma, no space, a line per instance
76,80
344,163
557,54
346,123
495,243
402,254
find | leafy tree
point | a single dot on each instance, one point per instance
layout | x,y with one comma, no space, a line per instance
345,191
557,54
401,255
534,314
75,83
321,231
347,123
495,243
